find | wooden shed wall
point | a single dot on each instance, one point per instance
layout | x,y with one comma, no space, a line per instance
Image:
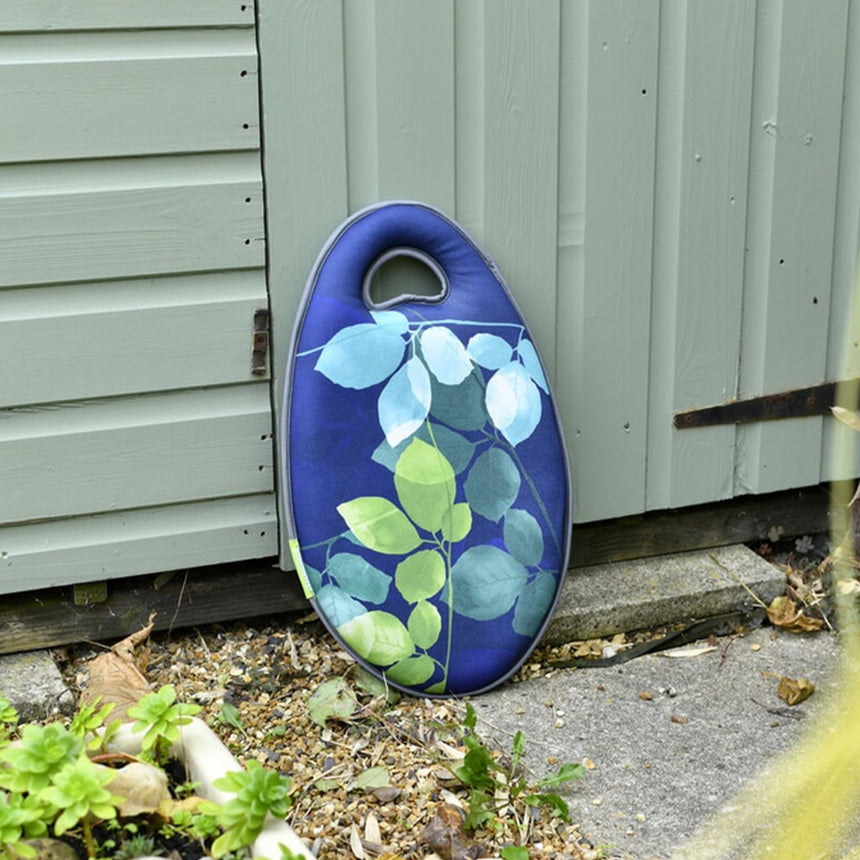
133,435
671,188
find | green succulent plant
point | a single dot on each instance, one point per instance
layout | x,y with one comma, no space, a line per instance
42,753
160,717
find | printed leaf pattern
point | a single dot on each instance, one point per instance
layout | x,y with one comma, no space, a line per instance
452,412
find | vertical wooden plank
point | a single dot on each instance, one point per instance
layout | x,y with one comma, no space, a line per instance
797,108
415,101
705,83
606,187
304,156
521,77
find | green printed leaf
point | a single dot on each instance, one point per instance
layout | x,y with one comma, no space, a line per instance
359,356
533,604
457,449
420,576
457,522
379,637
412,671
523,537
485,582
445,355
513,402
531,362
424,625
425,484
493,484
404,402
379,525
359,578
459,406
489,350
337,606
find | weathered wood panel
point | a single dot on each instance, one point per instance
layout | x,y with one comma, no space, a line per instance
104,546
797,115
60,15
87,457
86,95
116,219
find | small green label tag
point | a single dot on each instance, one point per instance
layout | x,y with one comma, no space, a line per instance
300,568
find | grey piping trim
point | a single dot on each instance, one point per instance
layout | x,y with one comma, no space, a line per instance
417,254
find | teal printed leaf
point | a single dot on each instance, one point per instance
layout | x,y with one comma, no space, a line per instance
490,350
513,402
420,575
533,605
359,578
493,484
412,671
393,321
485,583
445,355
425,485
387,456
379,637
314,577
458,450
379,525
359,356
531,362
337,606
404,402
523,537
424,625
459,406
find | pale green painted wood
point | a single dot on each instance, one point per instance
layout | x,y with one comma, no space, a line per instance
123,337
797,107
301,63
604,281
520,157
86,95
705,82
89,457
128,543
840,457
58,15
142,223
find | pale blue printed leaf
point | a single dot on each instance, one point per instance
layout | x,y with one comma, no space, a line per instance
445,355
533,605
359,578
523,537
404,402
393,321
459,406
485,583
490,350
359,356
531,362
513,402
337,606
493,484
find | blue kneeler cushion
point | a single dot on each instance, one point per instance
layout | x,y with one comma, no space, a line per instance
428,488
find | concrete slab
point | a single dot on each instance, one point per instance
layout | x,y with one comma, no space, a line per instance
34,686
637,595
670,738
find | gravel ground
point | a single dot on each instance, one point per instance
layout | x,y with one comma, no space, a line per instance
268,669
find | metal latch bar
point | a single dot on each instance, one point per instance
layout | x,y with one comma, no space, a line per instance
260,342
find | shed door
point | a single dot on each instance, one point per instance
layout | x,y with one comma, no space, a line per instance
134,434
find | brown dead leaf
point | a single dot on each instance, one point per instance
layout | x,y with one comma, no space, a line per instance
144,787
115,677
444,834
794,691
784,612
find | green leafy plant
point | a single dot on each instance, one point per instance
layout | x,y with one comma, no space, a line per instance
89,720
258,792
43,752
493,785
160,717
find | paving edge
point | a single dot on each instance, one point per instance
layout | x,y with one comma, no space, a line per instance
624,596
34,686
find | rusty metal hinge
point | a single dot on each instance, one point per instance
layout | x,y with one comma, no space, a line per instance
799,403
260,342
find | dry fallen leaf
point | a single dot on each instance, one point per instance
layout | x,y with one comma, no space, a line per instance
794,691
444,834
783,612
144,787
